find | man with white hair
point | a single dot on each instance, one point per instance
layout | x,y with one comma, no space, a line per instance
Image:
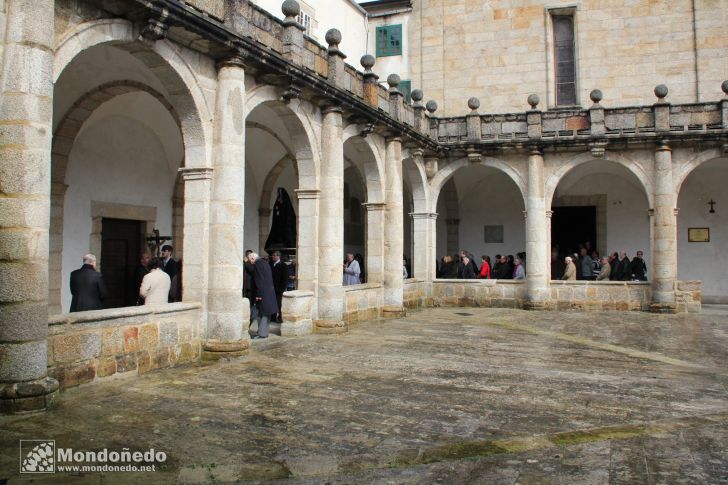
266,303
87,286
570,271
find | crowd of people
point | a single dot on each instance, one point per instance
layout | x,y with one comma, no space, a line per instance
584,265
463,265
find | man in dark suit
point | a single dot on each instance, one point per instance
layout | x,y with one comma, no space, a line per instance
87,287
170,267
265,295
280,280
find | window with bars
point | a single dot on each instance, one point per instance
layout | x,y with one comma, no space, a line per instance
564,59
389,40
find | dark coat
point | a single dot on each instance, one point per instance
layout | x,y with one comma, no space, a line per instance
624,270
263,278
248,281
141,272
467,273
280,276
283,227
171,268
88,289
639,268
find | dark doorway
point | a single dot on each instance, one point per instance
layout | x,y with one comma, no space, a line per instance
571,226
120,246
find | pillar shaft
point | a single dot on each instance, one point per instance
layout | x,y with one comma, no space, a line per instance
26,102
196,235
664,245
375,243
393,225
331,222
225,325
537,236
424,236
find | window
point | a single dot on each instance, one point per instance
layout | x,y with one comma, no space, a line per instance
389,40
564,60
305,20
405,87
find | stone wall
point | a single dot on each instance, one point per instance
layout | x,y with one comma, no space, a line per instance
362,302
600,295
91,345
688,296
482,293
417,293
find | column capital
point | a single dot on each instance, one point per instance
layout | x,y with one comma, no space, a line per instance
237,60
307,193
331,108
423,215
663,146
196,173
534,149
374,206
393,137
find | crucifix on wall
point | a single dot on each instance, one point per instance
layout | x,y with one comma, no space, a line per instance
155,242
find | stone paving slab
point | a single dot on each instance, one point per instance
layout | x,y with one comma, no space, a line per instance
441,396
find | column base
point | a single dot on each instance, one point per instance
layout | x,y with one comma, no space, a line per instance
537,305
219,349
663,308
28,397
296,328
392,311
330,326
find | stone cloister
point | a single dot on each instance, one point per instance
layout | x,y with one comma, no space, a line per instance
187,120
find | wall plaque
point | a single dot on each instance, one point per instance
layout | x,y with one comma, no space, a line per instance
698,234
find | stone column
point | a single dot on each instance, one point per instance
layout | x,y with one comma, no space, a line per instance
26,104
331,224
537,238
664,247
393,226
225,333
425,233
375,243
196,236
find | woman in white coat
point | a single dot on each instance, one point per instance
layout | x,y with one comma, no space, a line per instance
156,284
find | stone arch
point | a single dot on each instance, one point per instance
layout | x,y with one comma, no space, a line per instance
644,179
444,174
166,62
370,169
414,172
684,170
296,117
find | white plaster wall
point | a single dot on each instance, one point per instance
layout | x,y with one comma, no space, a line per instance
489,197
120,159
628,223
704,261
385,66
340,14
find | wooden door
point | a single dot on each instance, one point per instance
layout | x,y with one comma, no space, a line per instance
120,247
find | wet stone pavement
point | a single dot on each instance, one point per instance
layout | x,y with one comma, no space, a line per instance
447,395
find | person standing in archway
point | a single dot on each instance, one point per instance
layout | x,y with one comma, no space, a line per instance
265,295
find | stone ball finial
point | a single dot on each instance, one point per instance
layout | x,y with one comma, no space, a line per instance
533,100
660,91
393,80
333,37
596,96
473,103
417,95
290,8
431,106
367,61
724,87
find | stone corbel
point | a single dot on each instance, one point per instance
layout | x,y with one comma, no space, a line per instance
431,166
474,156
156,27
598,148
366,130
292,91
196,173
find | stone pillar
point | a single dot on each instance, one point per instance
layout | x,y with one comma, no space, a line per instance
664,230
331,224
375,243
425,233
537,238
393,226
225,333
26,104
196,236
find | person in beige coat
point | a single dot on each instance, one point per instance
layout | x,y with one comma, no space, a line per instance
156,284
605,271
570,272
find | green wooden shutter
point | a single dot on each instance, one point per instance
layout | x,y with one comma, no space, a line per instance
405,87
389,40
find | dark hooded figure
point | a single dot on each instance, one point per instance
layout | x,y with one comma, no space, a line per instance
283,228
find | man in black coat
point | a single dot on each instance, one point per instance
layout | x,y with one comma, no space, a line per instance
280,280
87,287
265,295
639,268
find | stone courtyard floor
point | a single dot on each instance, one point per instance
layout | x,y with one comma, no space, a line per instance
447,395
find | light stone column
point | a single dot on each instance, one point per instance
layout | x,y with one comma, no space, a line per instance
331,224
196,236
375,243
664,247
26,104
537,237
393,227
225,333
424,235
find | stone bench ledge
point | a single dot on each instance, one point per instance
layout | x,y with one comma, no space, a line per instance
362,287
124,312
